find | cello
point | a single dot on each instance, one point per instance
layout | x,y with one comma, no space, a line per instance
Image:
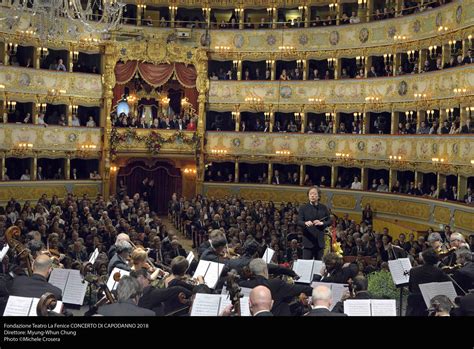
12,236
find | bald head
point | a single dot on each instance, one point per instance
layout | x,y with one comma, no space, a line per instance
260,299
42,265
322,296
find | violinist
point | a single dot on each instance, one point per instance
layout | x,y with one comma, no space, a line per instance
139,261
335,270
120,260
358,289
37,284
178,277
216,251
464,276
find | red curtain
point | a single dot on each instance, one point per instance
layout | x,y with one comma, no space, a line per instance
167,181
124,72
192,95
118,92
155,75
186,75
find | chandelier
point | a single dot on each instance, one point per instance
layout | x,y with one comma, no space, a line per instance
52,19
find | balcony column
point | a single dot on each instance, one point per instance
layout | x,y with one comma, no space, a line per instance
465,49
303,122
3,110
337,120
270,172
302,174
69,113
272,120
239,70
338,12
395,62
306,16
237,122
368,64
70,61
36,58
462,186
370,10
2,166
337,68
113,181
273,70
364,178
365,122
173,10
395,117
34,113
334,174
67,168
4,51
236,176
418,177
422,55
445,54
392,178
463,115
34,167
139,15
305,69
241,20
274,18
362,13
442,117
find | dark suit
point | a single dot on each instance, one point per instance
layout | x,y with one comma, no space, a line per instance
313,237
265,313
421,275
340,276
323,312
466,307
117,262
339,307
34,286
156,298
124,308
465,276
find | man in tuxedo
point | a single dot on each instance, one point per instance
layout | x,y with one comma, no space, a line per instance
277,178
464,276
322,300
260,301
37,284
313,217
469,58
426,273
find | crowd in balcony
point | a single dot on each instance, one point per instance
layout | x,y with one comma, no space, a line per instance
184,122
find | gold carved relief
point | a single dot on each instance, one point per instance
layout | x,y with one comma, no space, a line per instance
442,214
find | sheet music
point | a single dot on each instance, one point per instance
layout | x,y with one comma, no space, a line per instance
400,270
336,289
94,256
357,307
244,305
213,274
75,289
58,278
304,269
206,304
4,251
268,255
18,306
433,289
190,259
111,283
384,307
201,269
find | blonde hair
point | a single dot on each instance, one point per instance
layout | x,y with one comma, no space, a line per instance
138,256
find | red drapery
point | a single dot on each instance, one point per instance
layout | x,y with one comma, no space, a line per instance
156,75
167,181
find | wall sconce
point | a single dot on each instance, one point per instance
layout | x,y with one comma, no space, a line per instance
362,3
395,158
452,45
113,168
235,64
218,151
41,107
22,148
409,115
437,160
360,61
222,49
74,108
460,91
12,48
388,58
283,152
411,56
329,116
469,40
450,113
86,149
298,117
442,29
11,106
469,111
206,12
342,155
302,10
430,115
432,50
331,62
173,8
267,115
333,7
141,7
239,12
235,115
75,56
287,49
299,64
271,11
419,95
190,171
43,52
399,38
372,99
2,87
358,116
472,162
269,63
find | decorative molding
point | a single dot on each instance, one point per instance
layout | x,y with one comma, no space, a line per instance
442,215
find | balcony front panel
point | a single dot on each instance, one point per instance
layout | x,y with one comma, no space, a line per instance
156,142
32,190
25,84
401,207
257,43
51,141
348,94
365,150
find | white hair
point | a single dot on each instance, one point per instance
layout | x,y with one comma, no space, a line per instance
321,293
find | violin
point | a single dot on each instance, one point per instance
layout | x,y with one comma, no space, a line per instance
451,269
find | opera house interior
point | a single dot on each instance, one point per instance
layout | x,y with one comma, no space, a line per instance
237,158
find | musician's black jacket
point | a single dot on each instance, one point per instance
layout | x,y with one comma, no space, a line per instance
157,299
314,235
34,286
425,274
340,276
465,277
339,307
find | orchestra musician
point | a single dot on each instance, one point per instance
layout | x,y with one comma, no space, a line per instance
139,261
260,301
335,270
129,292
37,284
464,276
313,217
179,266
358,290
123,250
322,300
426,273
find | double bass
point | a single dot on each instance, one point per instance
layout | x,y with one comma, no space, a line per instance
12,236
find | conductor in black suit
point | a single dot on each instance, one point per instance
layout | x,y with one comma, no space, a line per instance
313,217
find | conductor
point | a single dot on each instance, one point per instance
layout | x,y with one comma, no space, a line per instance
313,217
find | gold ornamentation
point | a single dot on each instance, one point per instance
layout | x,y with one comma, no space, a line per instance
442,215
